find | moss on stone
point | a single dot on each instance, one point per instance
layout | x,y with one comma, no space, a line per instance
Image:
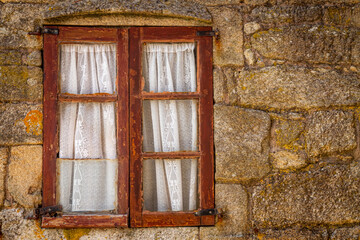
75,234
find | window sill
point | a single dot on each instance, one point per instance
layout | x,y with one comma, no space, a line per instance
85,221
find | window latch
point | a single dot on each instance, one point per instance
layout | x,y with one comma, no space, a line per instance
207,212
214,33
50,211
41,31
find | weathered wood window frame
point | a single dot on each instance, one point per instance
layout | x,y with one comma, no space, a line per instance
129,99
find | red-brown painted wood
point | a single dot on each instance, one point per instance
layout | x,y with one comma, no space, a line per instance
51,95
169,219
139,217
79,34
99,97
178,34
123,121
85,221
171,155
135,130
50,140
206,128
170,95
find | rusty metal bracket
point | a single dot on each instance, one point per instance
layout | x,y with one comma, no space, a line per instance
214,33
207,212
41,31
51,211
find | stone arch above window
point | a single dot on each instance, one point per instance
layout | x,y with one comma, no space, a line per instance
132,13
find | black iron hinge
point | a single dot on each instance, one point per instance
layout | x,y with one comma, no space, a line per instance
214,33
207,212
50,211
41,31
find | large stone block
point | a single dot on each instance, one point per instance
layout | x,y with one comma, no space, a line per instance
3,161
185,233
25,174
330,132
228,49
20,83
285,87
15,227
232,199
313,44
351,233
280,14
317,195
241,143
293,233
20,123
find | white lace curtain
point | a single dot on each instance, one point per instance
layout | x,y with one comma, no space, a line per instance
87,130
170,125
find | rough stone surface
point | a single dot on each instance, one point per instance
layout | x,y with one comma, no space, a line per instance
352,233
3,161
125,19
285,14
225,84
286,133
219,2
313,44
171,7
15,226
286,159
241,143
141,233
17,20
285,87
25,175
344,16
298,234
330,132
249,57
228,49
251,27
232,199
319,195
20,123
18,57
20,83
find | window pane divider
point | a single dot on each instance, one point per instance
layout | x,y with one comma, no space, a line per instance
87,159
170,95
97,97
172,155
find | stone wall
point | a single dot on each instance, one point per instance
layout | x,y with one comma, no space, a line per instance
287,114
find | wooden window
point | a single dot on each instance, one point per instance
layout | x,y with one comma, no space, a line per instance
152,164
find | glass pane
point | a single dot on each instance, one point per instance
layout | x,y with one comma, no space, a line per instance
87,185
169,67
170,125
87,130
170,184
88,68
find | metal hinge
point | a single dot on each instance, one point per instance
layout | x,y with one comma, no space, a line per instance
207,212
41,31
214,33
50,211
